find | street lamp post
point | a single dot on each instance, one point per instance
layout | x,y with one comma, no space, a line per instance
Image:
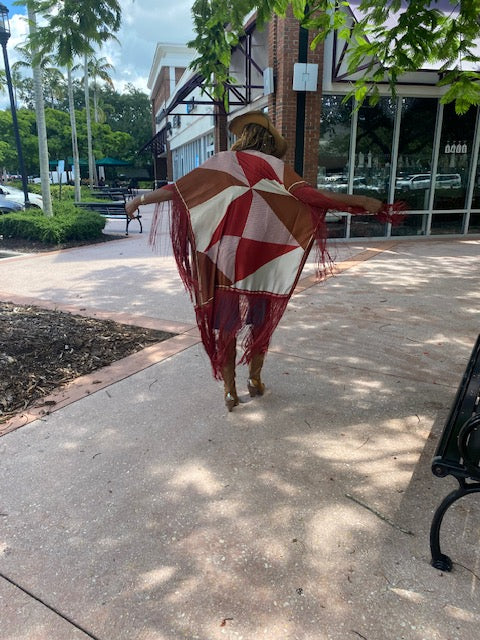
4,36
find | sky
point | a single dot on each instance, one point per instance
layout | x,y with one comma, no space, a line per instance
144,24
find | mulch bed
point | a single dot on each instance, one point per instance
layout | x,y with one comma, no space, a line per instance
41,349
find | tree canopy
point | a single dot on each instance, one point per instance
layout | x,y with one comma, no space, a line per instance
424,32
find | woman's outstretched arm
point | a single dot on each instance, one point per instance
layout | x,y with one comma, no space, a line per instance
371,205
152,197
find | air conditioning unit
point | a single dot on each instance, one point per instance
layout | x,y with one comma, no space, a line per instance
176,121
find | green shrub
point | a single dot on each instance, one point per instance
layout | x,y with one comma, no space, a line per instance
66,225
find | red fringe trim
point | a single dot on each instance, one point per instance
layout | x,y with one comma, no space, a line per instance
250,317
391,213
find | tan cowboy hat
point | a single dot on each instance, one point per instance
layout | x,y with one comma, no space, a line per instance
258,117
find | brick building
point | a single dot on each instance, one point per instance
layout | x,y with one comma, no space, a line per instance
410,147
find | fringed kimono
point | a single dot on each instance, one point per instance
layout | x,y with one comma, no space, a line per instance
242,226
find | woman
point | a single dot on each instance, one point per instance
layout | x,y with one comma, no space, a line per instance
242,226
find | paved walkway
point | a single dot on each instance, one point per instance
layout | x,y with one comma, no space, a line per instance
140,509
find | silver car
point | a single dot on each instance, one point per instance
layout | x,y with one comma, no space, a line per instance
17,195
7,206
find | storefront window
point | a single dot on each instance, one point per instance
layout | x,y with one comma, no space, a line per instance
334,142
371,169
474,226
453,170
334,147
414,162
373,157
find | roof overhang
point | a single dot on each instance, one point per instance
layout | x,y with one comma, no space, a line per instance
428,75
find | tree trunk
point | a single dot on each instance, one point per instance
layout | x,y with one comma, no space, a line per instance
41,126
92,178
95,102
73,123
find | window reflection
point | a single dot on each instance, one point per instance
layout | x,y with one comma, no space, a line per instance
370,170
373,161
414,162
334,147
334,142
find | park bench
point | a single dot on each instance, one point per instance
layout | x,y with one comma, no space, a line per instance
458,451
111,193
110,210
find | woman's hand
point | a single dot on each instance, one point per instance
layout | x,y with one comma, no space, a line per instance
153,197
372,205
131,207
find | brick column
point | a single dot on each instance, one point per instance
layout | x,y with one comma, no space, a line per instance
283,52
283,44
169,162
221,130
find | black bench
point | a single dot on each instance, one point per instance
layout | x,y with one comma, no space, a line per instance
111,194
111,210
458,451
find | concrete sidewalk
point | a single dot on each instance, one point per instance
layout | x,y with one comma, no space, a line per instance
146,511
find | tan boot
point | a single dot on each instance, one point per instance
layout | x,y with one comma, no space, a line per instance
228,375
255,384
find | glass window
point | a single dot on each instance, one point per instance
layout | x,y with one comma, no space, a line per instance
474,224
373,160
454,159
447,223
334,147
414,162
334,141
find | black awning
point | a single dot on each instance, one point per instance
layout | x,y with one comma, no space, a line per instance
158,144
184,91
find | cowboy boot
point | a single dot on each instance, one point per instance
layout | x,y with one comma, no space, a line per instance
228,375
255,384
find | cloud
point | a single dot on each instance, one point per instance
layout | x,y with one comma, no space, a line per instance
145,23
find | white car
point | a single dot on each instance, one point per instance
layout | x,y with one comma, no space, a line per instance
17,195
341,185
422,181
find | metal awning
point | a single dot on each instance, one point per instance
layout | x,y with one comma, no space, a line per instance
158,144
240,94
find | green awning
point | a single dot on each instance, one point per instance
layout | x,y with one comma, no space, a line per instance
112,162
53,164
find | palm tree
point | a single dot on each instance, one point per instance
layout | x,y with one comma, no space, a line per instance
73,28
92,66
98,68
92,171
106,16
41,125
52,77
36,63
54,87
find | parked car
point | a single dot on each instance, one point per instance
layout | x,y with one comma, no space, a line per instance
422,181
17,195
7,206
341,185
